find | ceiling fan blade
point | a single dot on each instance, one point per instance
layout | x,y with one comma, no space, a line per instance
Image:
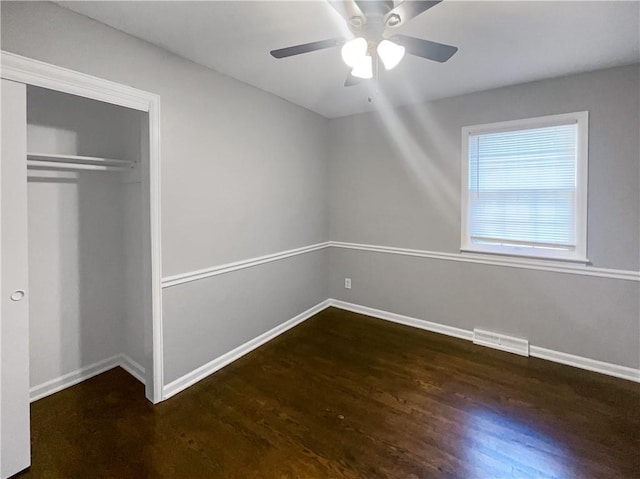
438,52
407,10
306,48
351,80
351,12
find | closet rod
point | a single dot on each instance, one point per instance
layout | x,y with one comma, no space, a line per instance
89,160
59,165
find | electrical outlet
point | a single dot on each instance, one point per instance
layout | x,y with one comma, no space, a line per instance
347,283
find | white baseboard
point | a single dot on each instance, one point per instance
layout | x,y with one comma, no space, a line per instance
72,378
601,367
137,371
82,374
211,367
132,367
594,365
406,320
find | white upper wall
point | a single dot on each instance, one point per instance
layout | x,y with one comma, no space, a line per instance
243,171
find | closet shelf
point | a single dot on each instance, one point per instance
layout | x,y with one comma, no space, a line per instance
75,162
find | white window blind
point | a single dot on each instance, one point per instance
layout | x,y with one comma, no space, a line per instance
523,190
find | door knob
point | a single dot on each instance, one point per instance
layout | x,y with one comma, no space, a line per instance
17,295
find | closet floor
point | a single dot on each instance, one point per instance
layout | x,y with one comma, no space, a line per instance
347,396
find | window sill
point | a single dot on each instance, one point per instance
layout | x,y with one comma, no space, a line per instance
524,259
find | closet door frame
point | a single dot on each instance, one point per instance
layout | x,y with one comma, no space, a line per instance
33,72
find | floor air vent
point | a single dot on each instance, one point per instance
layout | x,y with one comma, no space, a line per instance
500,341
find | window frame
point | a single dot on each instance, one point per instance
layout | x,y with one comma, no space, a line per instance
579,254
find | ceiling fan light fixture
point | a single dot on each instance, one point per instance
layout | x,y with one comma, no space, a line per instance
364,68
390,53
354,51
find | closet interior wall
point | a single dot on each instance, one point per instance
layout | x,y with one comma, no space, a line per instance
86,262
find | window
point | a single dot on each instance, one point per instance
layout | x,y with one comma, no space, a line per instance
524,187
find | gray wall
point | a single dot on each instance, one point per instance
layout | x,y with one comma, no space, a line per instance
243,175
134,273
222,310
395,181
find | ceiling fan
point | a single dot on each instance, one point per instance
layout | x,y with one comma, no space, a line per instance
373,22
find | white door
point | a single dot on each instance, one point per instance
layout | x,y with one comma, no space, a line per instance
15,447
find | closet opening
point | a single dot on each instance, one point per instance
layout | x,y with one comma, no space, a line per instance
90,301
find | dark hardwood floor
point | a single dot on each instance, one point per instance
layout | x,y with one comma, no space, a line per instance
347,396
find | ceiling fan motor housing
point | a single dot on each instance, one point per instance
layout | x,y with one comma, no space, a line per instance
380,8
373,24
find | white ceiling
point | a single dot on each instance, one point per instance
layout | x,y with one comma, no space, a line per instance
500,43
